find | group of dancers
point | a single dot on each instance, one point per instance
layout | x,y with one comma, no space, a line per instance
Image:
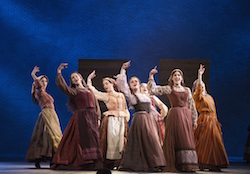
157,140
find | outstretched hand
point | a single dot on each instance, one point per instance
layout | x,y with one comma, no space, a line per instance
153,71
61,67
92,75
201,69
126,64
35,70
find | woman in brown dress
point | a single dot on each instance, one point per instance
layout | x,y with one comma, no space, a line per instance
179,143
114,127
79,147
47,132
143,151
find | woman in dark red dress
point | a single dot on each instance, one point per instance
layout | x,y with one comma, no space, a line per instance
79,147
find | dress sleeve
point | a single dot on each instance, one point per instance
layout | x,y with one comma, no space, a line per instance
163,108
191,106
102,96
122,85
125,108
157,89
62,85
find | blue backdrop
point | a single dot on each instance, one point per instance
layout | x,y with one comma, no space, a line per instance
47,32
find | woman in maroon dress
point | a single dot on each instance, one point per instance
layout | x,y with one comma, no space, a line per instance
79,147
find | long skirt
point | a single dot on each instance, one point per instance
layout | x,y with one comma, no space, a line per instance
110,163
45,138
143,151
179,143
160,125
79,147
209,143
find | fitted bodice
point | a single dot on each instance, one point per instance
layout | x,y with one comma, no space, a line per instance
142,106
178,99
84,99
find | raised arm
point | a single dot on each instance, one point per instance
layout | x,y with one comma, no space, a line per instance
102,96
163,108
122,84
156,89
200,73
61,83
199,84
34,71
36,86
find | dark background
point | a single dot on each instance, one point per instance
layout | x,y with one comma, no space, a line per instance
48,32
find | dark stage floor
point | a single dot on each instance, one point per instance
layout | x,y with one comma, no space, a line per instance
29,168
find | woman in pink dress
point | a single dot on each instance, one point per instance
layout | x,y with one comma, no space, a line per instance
79,147
179,143
47,132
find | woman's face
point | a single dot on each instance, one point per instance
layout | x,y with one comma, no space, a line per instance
144,89
107,85
75,79
134,83
44,82
177,78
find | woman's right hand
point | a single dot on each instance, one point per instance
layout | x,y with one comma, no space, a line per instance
126,65
61,67
153,71
201,69
35,70
91,75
